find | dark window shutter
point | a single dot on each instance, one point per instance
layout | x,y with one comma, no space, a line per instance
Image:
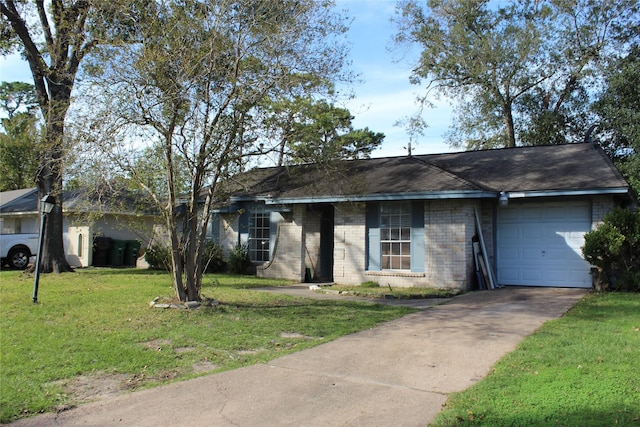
417,236
373,236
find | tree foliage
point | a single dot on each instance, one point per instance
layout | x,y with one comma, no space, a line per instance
193,87
618,110
19,151
318,132
614,249
20,136
520,71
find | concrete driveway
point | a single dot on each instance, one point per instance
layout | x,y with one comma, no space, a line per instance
397,374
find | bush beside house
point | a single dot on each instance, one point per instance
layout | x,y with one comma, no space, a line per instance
158,256
613,248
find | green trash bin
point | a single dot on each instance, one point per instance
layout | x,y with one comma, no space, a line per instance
131,253
116,252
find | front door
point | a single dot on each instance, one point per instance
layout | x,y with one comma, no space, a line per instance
326,243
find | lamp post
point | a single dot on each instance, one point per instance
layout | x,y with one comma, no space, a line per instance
47,204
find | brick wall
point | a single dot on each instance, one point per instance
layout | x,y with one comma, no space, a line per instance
349,254
600,206
287,255
449,228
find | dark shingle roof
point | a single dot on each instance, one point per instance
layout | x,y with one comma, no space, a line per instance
571,167
539,168
80,200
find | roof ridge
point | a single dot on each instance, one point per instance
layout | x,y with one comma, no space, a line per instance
452,174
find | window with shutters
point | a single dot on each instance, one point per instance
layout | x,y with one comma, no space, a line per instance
395,236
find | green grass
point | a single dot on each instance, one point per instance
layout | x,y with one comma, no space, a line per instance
97,324
580,370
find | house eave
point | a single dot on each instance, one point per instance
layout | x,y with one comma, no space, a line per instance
429,195
567,193
432,195
22,213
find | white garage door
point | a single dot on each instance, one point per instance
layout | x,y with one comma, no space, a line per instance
538,244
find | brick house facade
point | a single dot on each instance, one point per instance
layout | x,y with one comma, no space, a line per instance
413,221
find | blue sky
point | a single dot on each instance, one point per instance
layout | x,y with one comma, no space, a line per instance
384,95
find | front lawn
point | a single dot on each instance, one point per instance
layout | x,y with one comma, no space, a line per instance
580,370
92,333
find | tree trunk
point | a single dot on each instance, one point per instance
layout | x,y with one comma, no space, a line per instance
508,121
49,178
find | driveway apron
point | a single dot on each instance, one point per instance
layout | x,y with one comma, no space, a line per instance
397,374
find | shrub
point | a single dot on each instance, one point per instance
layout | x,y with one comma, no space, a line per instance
213,258
159,257
614,249
239,261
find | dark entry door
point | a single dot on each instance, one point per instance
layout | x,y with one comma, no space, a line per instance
326,243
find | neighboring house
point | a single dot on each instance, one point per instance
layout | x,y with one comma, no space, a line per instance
91,221
412,221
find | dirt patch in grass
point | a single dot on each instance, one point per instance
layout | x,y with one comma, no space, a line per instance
204,366
94,386
157,344
296,335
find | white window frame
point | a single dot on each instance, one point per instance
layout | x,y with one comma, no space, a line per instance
395,236
259,235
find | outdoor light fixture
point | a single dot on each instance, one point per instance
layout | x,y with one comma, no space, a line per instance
503,200
47,204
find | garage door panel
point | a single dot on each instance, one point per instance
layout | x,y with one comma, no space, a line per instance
532,233
511,215
534,275
531,255
558,254
512,254
555,275
511,232
539,244
507,275
531,214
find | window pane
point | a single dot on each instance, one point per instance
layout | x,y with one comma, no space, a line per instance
386,248
406,248
395,263
406,263
386,262
395,248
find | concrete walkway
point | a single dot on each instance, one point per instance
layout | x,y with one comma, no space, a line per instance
397,374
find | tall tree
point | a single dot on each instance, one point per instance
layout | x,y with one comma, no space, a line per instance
54,37
20,136
198,103
311,131
519,72
618,110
